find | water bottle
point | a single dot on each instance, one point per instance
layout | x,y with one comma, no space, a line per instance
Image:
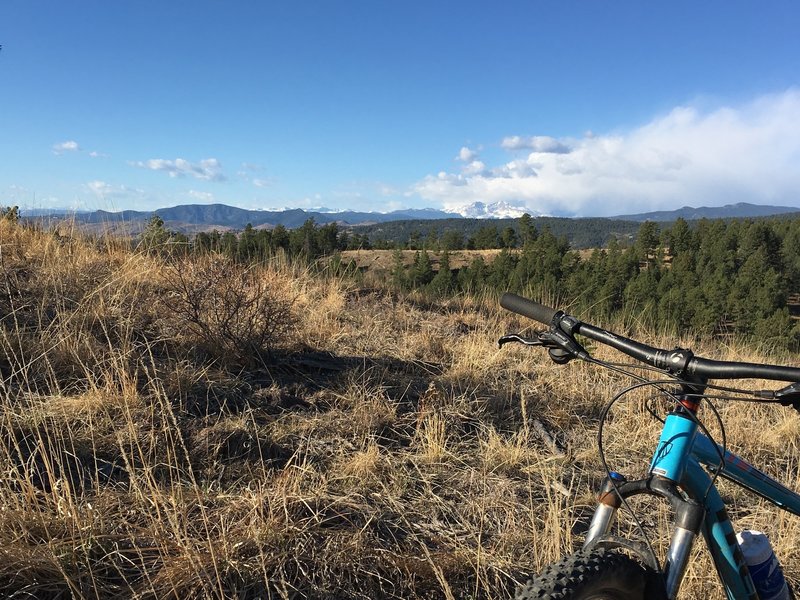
763,564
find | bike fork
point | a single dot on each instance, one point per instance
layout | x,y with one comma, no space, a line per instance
688,519
608,502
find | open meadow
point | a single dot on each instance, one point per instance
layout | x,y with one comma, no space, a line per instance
197,428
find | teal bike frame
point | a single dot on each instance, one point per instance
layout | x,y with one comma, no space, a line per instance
717,529
686,463
680,458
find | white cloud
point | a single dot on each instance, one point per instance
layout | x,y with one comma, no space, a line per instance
388,190
201,196
68,146
476,167
107,191
536,143
745,153
99,187
208,169
73,146
467,155
261,182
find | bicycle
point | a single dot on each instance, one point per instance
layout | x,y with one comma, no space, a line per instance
616,567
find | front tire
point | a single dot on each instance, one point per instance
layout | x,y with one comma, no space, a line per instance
598,574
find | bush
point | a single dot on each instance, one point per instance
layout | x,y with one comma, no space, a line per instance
237,314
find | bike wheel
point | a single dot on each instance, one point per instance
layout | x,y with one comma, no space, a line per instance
599,574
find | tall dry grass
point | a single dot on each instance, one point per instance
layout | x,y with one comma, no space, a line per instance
305,438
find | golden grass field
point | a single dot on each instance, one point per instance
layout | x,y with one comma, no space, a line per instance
383,260
383,447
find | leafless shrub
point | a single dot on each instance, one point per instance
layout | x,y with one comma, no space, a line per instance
235,313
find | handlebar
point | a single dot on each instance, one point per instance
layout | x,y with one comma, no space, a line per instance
677,361
527,308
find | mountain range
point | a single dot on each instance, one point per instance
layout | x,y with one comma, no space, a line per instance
198,217
729,211
231,217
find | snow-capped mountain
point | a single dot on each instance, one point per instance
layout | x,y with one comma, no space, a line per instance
493,210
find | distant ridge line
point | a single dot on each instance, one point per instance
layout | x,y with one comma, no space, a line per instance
222,216
729,211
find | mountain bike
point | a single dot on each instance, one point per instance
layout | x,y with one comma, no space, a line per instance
685,466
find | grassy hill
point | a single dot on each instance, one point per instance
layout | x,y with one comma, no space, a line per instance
190,428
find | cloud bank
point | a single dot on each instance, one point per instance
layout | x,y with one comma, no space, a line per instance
744,153
208,169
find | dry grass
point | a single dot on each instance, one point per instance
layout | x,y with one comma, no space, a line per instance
380,446
383,260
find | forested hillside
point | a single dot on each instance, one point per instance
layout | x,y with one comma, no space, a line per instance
581,233
710,277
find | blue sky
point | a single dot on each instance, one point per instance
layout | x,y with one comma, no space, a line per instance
559,108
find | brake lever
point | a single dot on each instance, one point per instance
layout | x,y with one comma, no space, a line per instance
515,337
560,346
789,396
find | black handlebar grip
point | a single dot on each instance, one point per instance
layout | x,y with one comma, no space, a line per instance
527,308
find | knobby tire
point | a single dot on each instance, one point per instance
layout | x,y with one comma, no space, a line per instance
598,574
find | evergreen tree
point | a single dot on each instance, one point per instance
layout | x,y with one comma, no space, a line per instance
486,238
443,281
326,239
473,278
399,278
155,235
508,238
431,240
10,213
790,255
246,249
547,255
229,244
453,239
500,272
202,243
647,241
621,266
303,241
778,331
422,270
527,230
280,239
679,238
757,292
641,296
263,243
